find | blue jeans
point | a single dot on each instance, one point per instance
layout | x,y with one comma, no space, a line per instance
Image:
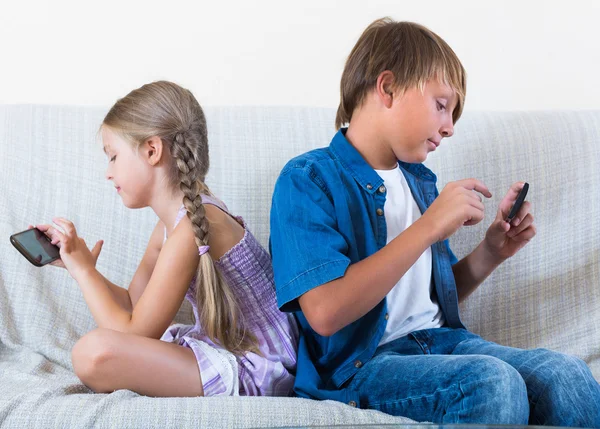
450,375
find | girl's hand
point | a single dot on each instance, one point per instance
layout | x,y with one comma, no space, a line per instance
44,228
74,253
504,239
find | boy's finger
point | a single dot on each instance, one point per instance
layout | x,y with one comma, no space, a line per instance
476,185
523,212
510,198
526,223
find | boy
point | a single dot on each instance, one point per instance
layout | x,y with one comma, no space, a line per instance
360,254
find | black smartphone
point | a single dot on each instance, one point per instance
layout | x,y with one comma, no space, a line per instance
35,246
518,203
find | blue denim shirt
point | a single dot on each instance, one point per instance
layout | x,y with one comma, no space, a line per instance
327,213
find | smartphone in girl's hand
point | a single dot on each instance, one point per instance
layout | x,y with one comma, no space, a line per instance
35,246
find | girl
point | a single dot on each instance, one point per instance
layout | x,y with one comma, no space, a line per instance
156,142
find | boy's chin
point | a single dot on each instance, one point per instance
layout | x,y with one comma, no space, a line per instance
415,158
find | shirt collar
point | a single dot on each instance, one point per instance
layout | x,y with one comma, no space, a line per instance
363,173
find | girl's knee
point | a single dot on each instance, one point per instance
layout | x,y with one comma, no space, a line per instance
91,356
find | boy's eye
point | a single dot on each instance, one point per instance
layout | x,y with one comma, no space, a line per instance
113,158
440,106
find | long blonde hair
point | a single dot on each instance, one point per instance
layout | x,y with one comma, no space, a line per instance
167,110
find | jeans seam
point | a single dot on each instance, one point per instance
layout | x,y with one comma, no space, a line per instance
399,401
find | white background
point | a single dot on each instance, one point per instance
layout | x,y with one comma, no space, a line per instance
518,54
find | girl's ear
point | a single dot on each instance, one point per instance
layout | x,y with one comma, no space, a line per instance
153,150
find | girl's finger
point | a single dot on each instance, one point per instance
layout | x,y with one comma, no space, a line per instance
58,263
59,238
66,225
47,229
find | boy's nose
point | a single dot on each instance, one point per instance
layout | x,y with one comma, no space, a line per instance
447,131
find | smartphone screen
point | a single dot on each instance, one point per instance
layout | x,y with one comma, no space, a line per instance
35,246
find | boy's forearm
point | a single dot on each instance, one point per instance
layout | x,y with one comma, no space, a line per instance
365,283
472,270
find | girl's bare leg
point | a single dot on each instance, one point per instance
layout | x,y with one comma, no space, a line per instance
107,360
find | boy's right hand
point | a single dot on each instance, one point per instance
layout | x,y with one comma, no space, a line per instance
457,205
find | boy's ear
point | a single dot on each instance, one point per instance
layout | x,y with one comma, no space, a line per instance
384,88
153,150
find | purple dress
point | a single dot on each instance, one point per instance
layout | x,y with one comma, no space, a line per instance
247,269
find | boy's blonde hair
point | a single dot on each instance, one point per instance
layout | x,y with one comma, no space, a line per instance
412,52
172,113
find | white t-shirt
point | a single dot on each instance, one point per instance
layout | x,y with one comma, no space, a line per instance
411,305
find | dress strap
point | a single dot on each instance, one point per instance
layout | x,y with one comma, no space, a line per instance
206,199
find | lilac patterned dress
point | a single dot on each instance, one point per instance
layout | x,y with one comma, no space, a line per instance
247,269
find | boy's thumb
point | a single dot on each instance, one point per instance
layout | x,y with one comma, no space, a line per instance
503,226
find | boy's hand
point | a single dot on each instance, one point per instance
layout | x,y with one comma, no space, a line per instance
73,256
503,240
457,205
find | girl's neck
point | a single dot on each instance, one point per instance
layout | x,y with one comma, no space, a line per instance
166,205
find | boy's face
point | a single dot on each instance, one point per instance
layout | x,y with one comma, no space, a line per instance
417,121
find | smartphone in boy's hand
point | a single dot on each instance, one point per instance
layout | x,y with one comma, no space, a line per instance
518,203
35,246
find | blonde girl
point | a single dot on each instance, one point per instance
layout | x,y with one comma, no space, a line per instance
155,139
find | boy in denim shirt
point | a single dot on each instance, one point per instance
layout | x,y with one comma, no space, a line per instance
360,254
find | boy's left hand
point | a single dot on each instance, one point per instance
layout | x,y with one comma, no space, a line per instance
74,253
502,239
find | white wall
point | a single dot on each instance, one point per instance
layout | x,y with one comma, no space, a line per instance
518,54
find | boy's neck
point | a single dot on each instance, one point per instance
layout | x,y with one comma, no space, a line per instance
363,136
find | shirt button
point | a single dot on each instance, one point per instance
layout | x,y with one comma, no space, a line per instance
381,189
352,403
358,364
369,186
379,212
387,316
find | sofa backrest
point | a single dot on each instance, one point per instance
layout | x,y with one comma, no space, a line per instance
52,164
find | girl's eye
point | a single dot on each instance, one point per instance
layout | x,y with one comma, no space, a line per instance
440,106
113,158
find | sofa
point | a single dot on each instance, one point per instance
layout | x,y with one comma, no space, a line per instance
52,164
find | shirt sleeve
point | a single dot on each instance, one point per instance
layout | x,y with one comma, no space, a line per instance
307,249
453,259
451,255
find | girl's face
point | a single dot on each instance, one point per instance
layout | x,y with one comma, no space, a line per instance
128,170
